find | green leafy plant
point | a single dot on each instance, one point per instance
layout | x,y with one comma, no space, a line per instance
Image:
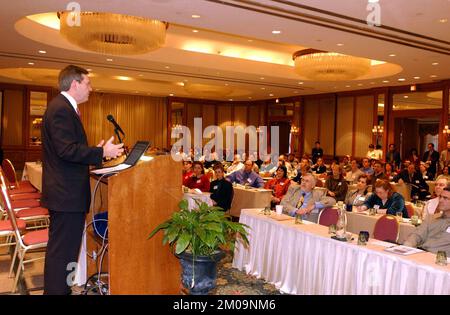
202,231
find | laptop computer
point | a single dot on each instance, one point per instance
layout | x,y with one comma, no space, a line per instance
136,153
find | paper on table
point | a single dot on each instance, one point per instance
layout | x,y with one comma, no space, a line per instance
197,191
403,250
380,243
280,217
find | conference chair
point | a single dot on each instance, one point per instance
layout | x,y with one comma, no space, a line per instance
410,209
13,183
386,229
328,216
29,241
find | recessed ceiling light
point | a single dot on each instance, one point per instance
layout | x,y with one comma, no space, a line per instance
230,99
262,78
392,55
295,92
360,84
277,100
31,63
263,88
443,20
97,90
42,52
300,83
109,59
140,75
433,76
270,94
405,96
195,31
171,94
347,86
340,44
276,32
136,91
167,67
250,40
122,78
89,69
386,81
373,1
195,16
402,79
226,84
435,63
249,97
372,82
417,78
185,80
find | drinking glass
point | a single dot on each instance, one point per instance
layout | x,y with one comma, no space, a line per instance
399,216
441,258
298,219
332,229
363,238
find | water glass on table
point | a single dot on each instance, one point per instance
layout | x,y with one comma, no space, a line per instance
441,258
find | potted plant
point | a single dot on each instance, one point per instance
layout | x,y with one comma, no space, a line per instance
198,238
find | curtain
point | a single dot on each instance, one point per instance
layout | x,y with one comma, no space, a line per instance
140,117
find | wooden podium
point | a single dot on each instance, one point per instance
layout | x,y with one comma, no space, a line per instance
139,199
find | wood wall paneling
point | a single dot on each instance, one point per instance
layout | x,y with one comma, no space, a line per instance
344,130
364,124
224,120
327,110
13,126
311,114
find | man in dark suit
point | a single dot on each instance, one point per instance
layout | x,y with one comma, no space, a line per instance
411,176
393,157
65,178
431,157
317,152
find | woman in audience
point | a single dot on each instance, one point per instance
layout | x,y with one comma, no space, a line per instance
279,185
386,199
357,196
198,179
390,174
444,173
187,171
336,184
414,157
319,167
221,189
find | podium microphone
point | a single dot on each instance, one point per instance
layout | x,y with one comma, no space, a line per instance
116,125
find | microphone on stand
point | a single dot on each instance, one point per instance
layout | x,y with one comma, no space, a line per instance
116,130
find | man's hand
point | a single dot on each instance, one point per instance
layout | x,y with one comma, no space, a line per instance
400,181
111,150
332,194
305,210
101,144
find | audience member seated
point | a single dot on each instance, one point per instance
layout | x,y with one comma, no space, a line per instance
414,157
317,152
288,165
423,169
444,173
304,200
335,184
419,187
319,167
187,171
444,159
345,164
433,234
384,197
372,154
198,179
393,157
268,168
246,176
221,190
237,165
210,159
379,152
377,172
366,169
354,173
304,169
279,185
388,172
431,205
359,195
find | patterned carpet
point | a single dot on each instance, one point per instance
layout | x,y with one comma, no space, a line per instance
231,281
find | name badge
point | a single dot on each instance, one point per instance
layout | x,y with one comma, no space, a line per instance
199,181
215,187
361,199
249,180
448,230
417,182
376,207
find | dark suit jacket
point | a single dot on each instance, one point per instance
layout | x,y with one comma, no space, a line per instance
66,158
222,193
419,184
434,160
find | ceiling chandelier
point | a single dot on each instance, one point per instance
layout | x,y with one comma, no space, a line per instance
113,34
329,66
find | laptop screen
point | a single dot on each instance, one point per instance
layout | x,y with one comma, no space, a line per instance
138,150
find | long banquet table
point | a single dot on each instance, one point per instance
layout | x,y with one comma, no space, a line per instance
249,198
303,259
33,172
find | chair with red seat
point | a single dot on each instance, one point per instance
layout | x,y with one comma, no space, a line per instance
29,241
386,229
328,216
410,209
13,183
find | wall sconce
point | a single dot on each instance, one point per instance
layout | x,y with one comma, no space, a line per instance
378,132
446,131
177,128
294,130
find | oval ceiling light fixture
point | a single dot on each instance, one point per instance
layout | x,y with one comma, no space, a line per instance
329,66
207,90
113,34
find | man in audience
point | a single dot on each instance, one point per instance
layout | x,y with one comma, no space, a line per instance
345,164
221,190
246,176
372,154
304,200
433,234
432,204
319,167
378,172
366,169
354,173
336,184
444,160
379,152
317,152
412,177
393,157
268,168
431,157
237,165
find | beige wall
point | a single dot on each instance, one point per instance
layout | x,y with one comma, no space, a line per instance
364,124
344,128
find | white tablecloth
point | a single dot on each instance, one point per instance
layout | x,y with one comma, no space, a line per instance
33,172
303,259
192,197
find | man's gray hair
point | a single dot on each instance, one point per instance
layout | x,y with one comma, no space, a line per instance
313,178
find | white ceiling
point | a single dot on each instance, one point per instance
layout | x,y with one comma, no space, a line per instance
410,29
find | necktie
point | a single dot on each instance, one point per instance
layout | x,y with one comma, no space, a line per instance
300,202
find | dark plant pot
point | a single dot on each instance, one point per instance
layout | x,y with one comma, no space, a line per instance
205,272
